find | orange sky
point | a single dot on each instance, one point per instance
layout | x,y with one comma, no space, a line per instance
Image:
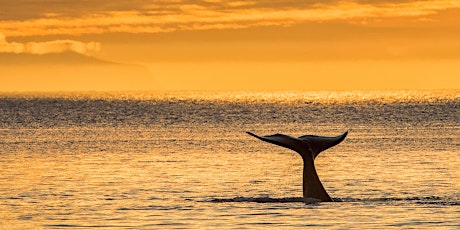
234,45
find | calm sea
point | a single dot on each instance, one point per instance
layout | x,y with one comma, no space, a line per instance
182,160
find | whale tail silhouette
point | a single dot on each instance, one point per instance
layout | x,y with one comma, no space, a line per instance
308,146
304,144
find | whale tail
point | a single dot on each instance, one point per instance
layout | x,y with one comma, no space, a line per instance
308,146
304,144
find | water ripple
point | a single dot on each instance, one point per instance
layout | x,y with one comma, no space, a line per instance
418,200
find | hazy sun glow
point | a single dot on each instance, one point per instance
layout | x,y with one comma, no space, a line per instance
235,45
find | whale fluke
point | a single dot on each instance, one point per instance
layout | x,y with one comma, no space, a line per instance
308,146
315,144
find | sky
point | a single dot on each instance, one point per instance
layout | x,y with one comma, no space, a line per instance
233,45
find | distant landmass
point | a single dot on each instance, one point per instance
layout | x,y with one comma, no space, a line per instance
69,72
67,58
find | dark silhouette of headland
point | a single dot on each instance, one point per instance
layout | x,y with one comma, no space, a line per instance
69,71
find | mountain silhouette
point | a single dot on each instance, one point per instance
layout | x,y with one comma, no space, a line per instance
69,71
67,58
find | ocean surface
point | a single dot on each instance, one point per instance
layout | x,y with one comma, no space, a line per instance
150,160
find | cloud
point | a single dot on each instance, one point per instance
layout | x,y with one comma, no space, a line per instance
10,47
57,46
174,15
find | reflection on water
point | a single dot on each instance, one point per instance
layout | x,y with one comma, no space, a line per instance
184,161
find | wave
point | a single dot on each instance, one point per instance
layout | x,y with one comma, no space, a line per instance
418,200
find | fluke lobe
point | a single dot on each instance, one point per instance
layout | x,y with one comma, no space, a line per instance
309,147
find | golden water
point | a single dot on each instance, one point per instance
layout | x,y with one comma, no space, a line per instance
140,161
